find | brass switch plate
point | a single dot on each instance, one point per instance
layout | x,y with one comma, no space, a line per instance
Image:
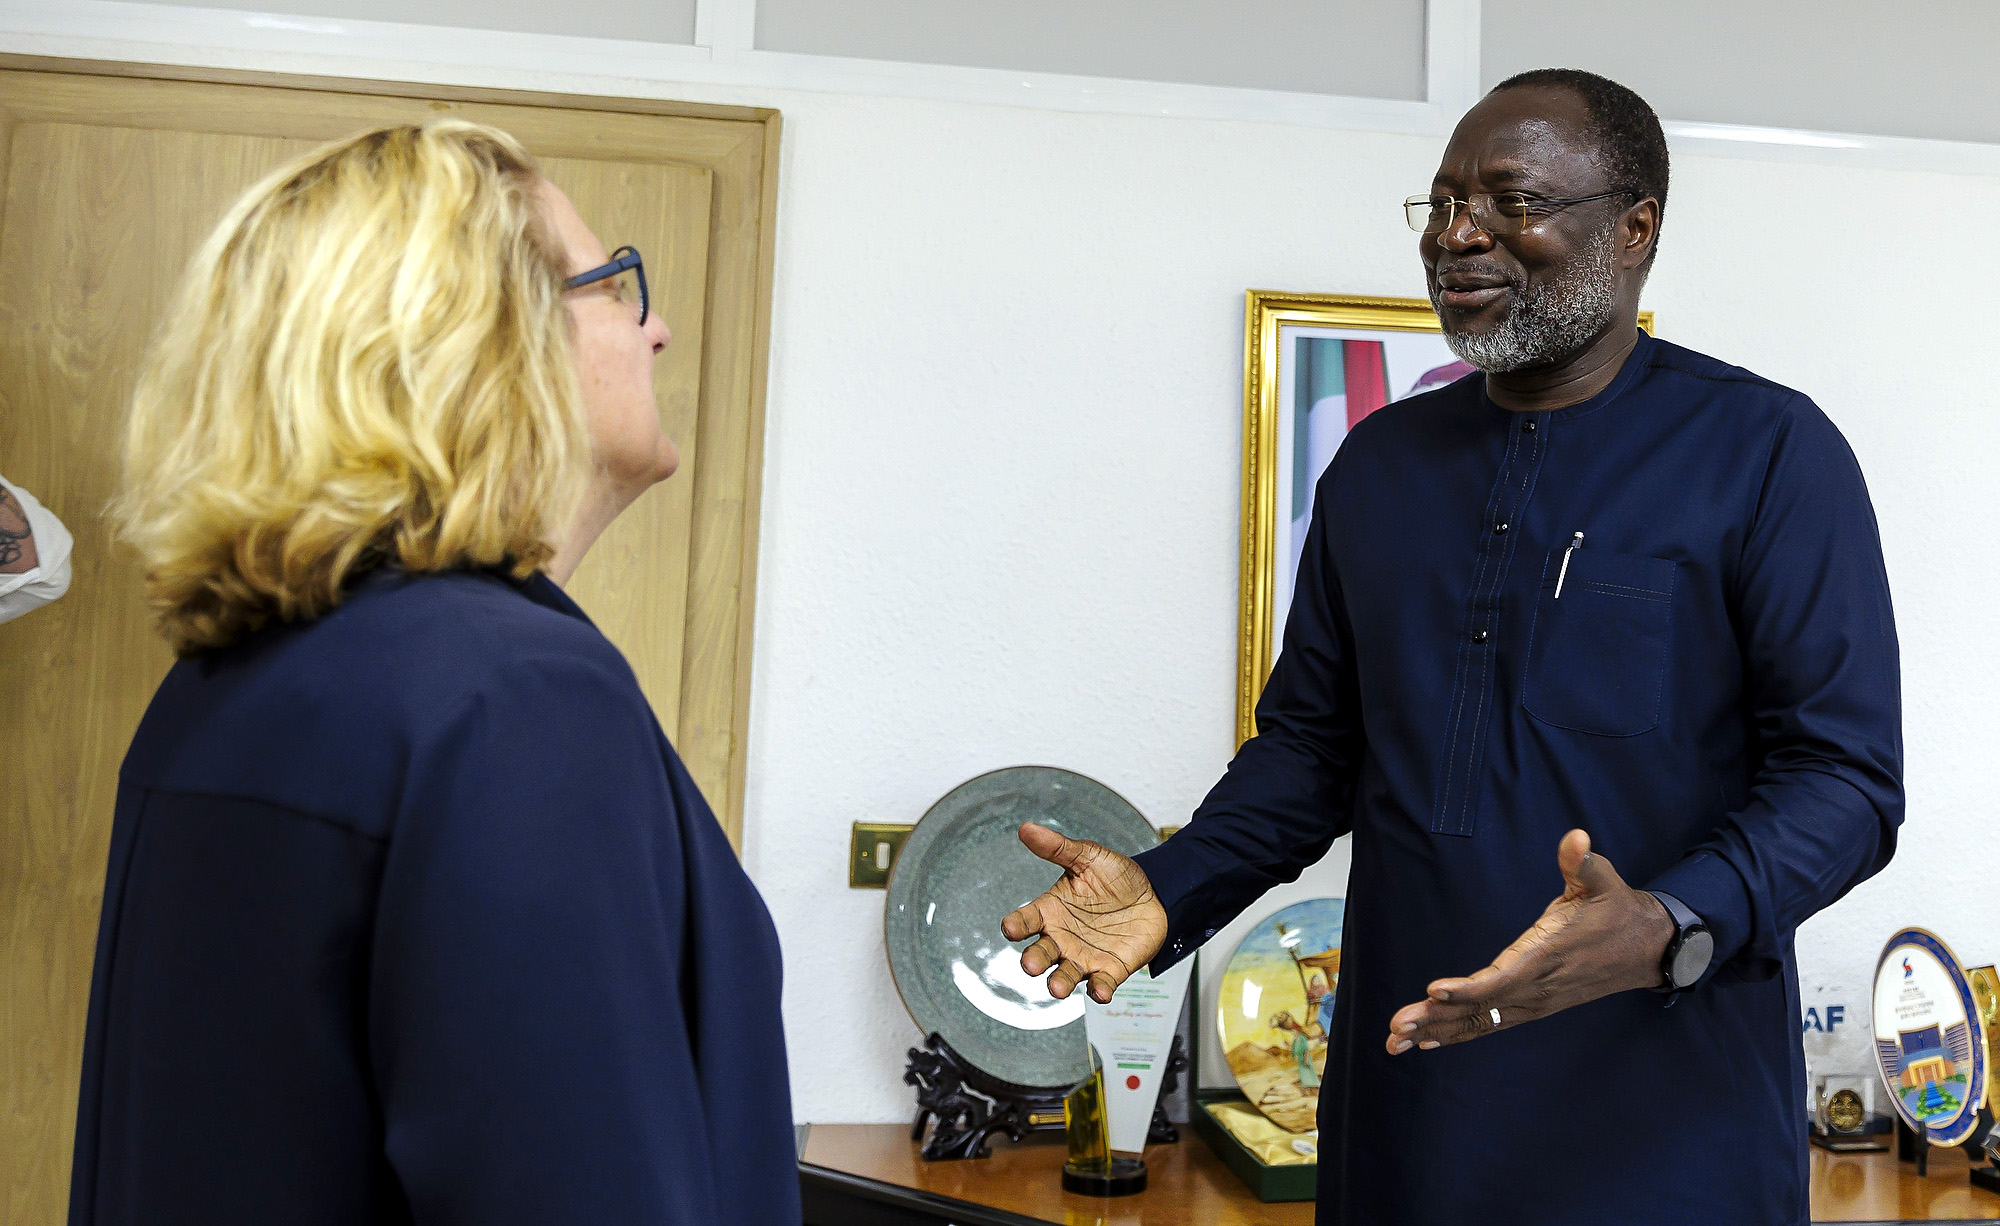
872,853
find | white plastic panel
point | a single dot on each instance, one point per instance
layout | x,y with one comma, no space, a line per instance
1363,48
1914,70
655,21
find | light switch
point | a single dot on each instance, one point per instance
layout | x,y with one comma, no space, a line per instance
872,853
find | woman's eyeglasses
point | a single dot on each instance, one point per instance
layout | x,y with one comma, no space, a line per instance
630,273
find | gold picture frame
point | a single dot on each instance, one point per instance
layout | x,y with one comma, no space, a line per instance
1268,317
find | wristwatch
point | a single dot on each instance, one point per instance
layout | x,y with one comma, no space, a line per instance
1688,954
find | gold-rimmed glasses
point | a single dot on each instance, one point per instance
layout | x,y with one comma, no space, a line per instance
1497,213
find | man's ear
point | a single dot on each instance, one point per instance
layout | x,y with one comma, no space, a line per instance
1638,231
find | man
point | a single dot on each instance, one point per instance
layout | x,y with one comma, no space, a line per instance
1612,603
34,553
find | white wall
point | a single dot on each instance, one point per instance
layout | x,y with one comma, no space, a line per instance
1002,523
1000,519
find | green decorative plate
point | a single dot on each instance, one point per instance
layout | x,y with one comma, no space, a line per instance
962,870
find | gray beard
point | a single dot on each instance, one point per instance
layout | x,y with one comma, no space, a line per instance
1548,322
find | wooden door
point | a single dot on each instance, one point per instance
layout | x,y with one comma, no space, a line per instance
112,176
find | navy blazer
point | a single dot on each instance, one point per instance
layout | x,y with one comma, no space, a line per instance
413,915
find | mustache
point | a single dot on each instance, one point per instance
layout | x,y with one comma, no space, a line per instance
1475,269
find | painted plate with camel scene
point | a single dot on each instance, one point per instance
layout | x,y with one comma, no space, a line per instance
1276,1005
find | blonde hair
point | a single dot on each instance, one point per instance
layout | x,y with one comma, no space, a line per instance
369,361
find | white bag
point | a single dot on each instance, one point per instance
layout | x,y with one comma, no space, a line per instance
31,589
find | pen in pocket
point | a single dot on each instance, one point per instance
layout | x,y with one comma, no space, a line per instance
1575,543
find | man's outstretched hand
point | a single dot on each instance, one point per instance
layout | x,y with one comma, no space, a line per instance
1099,922
1602,936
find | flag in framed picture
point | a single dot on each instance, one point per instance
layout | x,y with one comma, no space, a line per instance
1315,366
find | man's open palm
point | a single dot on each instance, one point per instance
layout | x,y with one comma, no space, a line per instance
1598,937
1099,922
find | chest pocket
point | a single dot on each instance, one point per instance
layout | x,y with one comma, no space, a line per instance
1597,656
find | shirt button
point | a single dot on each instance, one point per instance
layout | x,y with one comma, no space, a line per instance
1499,529
1528,426
1478,636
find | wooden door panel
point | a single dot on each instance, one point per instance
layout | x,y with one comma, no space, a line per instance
83,277
634,582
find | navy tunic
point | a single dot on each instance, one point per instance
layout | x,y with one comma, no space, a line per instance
413,915
1713,696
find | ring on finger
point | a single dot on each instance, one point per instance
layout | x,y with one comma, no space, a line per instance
1495,1015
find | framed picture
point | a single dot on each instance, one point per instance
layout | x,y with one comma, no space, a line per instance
1313,366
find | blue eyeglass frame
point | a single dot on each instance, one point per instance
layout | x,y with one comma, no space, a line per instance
621,259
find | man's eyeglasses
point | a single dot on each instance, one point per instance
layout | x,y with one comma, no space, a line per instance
1497,213
630,273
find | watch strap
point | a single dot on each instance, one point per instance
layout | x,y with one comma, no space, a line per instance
1685,922
1683,918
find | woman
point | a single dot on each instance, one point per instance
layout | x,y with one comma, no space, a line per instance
412,913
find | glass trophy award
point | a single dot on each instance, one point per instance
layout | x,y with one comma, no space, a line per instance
1092,1169
1988,1176
1108,1116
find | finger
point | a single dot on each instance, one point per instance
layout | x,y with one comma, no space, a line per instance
1411,1027
1428,1013
1449,1001
1428,1032
1063,979
1448,998
1040,956
1463,1030
1585,872
1462,1024
1428,1023
1102,985
1053,847
1022,922
1490,981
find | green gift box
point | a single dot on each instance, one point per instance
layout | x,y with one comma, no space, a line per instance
1270,1183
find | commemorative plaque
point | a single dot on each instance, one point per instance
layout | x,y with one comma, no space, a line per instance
1930,1044
1843,1114
1132,1038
